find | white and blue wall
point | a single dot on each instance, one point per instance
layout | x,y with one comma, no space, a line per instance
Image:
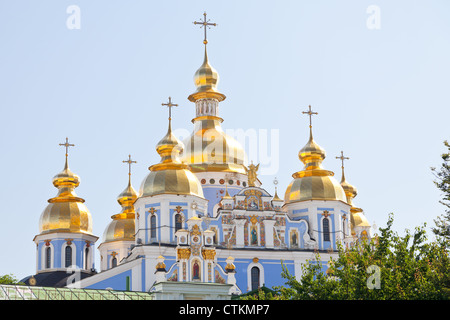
52,255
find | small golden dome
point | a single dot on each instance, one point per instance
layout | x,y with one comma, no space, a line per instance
313,182
358,219
312,154
350,191
170,176
206,79
119,230
66,212
126,199
122,228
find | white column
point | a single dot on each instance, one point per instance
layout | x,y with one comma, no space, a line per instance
164,221
268,226
240,232
207,107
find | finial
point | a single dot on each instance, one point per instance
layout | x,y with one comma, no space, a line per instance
310,113
130,162
67,145
275,182
170,105
205,24
342,158
227,195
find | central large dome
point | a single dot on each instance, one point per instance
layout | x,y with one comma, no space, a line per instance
209,148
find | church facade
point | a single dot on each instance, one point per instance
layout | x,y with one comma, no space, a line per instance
200,217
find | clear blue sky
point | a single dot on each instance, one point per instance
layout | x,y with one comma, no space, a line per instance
382,97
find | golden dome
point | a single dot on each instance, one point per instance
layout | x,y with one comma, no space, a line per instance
66,212
209,148
358,219
119,230
170,176
122,227
206,79
313,182
350,191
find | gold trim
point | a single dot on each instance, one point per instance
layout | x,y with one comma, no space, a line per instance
183,253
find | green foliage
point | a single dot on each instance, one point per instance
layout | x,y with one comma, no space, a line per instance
388,267
260,294
9,279
442,182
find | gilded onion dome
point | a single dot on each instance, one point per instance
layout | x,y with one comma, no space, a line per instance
209,148
357,217
122,227
170,176
313,182
350,191
206,79
66,212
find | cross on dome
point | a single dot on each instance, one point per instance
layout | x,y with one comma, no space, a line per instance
130,162
205,24
342,158
67,145
310,113
170,105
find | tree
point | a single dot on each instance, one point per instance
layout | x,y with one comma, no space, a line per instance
443,183
387,267
9,279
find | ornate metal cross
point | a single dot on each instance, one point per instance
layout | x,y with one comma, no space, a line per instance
130,162
342,158
310,113
67,145
170,105
205,24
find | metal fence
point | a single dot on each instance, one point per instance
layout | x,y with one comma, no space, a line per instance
16,292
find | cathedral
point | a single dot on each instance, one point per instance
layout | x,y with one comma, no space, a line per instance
201,224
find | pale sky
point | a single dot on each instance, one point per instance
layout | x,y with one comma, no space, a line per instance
381,94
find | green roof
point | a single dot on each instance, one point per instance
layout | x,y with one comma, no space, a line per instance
17,292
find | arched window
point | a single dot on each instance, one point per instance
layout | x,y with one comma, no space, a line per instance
255,278
114,262
68,256
153,227
48,258
178,222
326,229
86,258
